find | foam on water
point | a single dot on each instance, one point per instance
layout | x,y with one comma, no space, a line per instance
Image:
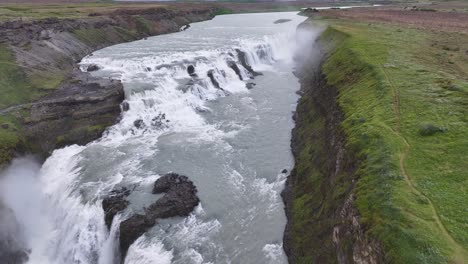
163,101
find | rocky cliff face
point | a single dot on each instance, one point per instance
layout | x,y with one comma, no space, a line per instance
323,222
76,108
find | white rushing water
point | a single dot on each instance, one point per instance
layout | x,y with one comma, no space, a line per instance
231,142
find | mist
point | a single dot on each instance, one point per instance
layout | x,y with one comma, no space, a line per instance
22,217
307,52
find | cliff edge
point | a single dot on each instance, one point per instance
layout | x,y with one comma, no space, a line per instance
47,102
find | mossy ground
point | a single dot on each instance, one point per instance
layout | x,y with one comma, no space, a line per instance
392,83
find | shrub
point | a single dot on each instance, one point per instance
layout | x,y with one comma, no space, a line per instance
430,129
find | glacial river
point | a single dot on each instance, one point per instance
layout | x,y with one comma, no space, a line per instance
231,141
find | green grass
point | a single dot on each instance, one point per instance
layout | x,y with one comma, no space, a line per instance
64,10
14,86
9,138
393,79
17,88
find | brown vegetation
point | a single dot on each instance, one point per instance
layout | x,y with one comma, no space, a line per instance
420,17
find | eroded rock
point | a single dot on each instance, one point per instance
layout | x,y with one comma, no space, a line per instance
92,67
235,68
245,63
213,80
250,85
114,203
180,199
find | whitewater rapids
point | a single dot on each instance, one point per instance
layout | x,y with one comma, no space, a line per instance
231,141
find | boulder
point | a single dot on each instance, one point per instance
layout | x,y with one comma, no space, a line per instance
125,106
92,67
250,85
284,171
114,203
180,199
139,123
191,71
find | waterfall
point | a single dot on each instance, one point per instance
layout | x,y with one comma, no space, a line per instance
164,99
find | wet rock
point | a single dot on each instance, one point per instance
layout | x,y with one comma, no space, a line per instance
158,121
180,199
125,106
131,229
245,63
284,171
113,204
148,69
282,20
92,67
191,71
139,123
250,85
235,68
213,79
185,27
76,113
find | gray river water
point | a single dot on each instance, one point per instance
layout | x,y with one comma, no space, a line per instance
233,143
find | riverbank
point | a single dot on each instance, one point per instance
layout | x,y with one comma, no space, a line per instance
378,142
47,102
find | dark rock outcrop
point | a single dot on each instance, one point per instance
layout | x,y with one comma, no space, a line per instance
213,80
125,106
191,71
131,229
76,113
180,199
282,20
139,123
80,107
245,63
185,27
92,67
114,203
250,85
235,68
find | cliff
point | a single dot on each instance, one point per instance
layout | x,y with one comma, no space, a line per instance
377,151
323,222
46,101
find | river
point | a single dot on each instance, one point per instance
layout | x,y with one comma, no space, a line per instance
231,141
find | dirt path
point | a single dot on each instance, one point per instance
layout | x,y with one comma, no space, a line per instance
459,253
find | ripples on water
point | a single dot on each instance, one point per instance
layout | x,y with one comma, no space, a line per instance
232,142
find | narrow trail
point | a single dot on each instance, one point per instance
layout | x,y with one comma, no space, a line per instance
459,253
11,108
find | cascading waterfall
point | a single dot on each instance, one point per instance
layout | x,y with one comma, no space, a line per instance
162,102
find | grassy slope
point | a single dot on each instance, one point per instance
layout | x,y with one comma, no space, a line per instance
404,94
64,10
